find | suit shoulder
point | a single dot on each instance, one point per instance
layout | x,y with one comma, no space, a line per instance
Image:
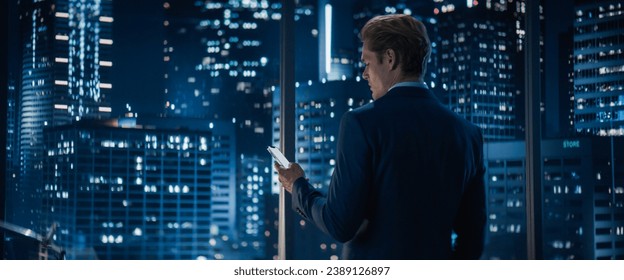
475,128
362,110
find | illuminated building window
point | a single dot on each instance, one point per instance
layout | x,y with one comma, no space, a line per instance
61,37
106,41
106,19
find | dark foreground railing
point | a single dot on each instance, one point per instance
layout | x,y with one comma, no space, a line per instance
24,244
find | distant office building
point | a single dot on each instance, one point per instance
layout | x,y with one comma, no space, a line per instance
582,200
252,191
319,108
337,53
11,119
12,151
224,177
224,215
479,69
222,165
505,199
271,220
66,63
221,59
583,195
251,236
598,67
138,191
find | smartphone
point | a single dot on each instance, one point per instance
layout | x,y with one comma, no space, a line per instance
278,156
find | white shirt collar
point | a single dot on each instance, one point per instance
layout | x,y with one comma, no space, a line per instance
410,84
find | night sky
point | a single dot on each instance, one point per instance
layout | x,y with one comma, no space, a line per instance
137,56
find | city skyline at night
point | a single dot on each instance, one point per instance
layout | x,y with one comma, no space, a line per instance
64,77
155,148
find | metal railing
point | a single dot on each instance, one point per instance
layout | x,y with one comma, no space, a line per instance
25,244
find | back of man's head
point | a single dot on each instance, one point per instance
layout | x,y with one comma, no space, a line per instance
403,34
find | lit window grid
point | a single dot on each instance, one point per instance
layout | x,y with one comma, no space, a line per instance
598,88
83,69
184,216
253,192
223,182
505,197
564,222
582,214
477,77
39,73
236,53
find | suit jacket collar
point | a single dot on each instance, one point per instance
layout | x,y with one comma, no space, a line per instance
409,84
409,91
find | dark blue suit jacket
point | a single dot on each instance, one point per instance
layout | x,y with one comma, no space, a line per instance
408,173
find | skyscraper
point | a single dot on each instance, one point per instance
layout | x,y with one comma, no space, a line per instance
12,152
505,232
598,60
65,66
221,59
582,210
223,163
337,53
479,69
122,190
252,191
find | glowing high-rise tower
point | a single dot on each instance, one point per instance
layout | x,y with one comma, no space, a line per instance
598,60
65,77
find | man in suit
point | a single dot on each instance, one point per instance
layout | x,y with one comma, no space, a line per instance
409,172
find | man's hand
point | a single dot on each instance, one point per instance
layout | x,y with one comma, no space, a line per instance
288,176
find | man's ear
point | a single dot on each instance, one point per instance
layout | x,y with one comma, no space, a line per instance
392,58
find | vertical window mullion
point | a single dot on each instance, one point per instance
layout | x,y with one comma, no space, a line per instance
533,131
287,122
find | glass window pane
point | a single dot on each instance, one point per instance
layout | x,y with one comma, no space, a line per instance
476,70
480,76
582,132
176,165
193,89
